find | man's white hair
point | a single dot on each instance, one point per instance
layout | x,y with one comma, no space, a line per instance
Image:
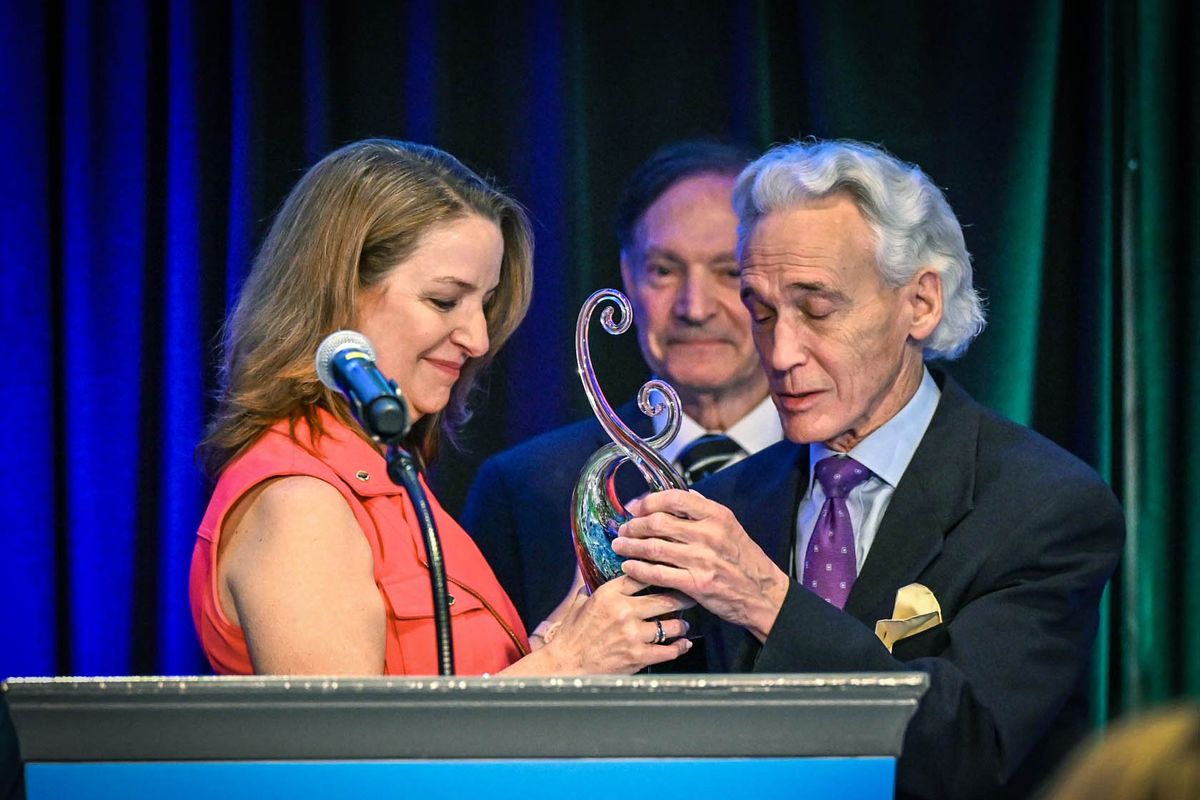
913,225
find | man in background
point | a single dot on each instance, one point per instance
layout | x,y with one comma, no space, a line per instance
678,235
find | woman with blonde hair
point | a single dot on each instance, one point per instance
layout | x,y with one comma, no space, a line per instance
309,559
1151,757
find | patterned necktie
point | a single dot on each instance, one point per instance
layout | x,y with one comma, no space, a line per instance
829,561
706,455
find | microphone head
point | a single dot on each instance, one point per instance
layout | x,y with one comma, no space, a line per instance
335,343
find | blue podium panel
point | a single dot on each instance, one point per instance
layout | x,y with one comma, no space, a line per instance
856,778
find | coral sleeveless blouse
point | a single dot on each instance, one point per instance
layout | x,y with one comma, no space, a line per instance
488,633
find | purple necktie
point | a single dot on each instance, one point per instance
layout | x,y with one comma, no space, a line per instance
829,565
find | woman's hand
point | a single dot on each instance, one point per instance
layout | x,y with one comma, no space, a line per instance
548,628
615,630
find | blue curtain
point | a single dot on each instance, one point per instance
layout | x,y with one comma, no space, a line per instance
146,144
28,566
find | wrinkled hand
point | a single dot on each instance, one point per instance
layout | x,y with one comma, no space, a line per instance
613,631
684,541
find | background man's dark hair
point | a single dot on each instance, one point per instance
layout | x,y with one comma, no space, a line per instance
668,166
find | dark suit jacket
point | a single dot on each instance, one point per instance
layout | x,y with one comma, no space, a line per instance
1016,539
519,510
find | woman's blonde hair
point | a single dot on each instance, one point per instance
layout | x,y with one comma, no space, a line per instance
346,225
1150,757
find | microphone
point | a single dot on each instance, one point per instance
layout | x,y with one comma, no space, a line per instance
346,364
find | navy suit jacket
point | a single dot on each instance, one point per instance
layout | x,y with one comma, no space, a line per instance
1015,537
519,509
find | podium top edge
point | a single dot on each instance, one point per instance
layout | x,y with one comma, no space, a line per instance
325,718
843,682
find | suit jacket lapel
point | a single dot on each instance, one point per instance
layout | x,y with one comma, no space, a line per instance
766,495
935,492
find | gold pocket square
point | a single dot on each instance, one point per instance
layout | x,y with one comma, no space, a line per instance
916,610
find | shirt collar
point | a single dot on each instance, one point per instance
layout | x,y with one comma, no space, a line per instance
689,431
757,430
888,449
358,462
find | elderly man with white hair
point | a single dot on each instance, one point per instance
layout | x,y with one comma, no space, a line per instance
901,525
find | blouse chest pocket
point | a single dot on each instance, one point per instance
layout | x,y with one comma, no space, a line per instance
412,638
411,598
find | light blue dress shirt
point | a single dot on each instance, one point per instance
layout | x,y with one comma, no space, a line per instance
886,452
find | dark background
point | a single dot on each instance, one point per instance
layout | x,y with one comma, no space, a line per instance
146,146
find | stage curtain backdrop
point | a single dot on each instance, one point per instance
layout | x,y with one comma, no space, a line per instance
146,145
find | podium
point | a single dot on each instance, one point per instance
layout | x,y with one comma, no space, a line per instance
699,736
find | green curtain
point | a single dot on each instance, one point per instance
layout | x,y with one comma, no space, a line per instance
1158,218
1092,270
1066,135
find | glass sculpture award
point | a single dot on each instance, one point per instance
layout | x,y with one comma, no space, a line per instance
596,511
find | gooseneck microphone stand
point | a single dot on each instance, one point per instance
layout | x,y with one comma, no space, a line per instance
402,469
345,362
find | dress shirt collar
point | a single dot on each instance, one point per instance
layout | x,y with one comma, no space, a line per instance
888,449
757,430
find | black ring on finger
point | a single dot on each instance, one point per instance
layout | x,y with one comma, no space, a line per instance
661,635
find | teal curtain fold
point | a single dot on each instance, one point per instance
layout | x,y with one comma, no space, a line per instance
1160,415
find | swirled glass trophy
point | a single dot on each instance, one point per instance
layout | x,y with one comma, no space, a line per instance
596,511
